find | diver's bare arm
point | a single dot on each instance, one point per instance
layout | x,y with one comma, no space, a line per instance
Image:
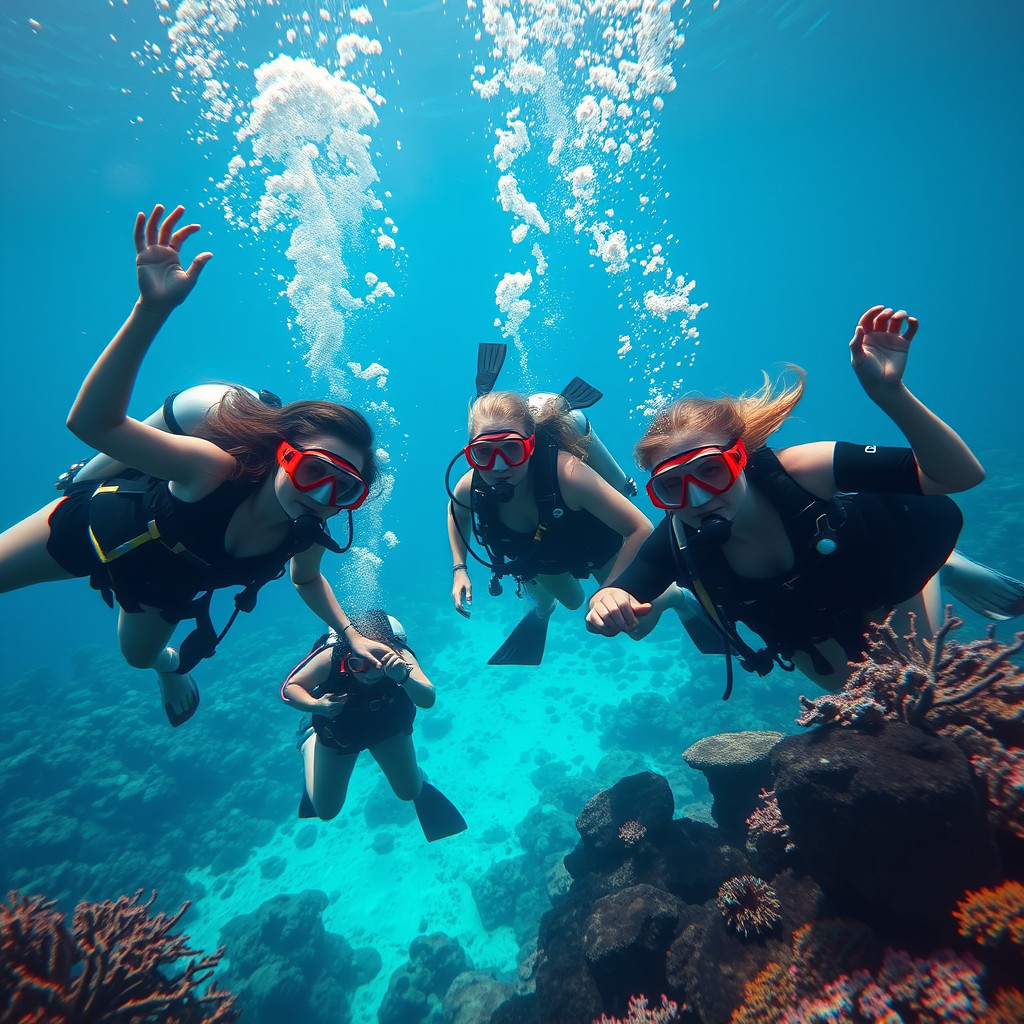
459,526
419,688
879,351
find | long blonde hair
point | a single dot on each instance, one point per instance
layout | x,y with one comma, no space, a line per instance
552,425
753,417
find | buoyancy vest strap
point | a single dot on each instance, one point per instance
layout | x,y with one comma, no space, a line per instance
134,489
152,533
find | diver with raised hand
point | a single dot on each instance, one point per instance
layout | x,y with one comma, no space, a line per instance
246,496
808,546
542,514
355,706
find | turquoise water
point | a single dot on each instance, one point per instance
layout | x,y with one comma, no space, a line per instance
810,161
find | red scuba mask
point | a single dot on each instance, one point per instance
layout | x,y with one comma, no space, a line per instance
711,469
330,479
357,665
483,451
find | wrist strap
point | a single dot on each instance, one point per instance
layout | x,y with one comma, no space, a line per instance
460,566
349,626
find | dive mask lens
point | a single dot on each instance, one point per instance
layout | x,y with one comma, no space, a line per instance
514,449
330,479
709,470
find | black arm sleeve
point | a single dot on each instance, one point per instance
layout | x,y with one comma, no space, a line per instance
653,569
859,467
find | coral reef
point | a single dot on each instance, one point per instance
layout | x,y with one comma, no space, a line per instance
749,905
116,963
993,916
638,1012
943,988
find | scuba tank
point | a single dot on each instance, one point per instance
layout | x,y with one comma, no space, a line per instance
181,413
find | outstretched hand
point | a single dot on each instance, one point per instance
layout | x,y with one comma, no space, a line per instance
879,346
162,282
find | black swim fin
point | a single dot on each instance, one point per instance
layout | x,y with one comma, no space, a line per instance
439,817
525,644
489,360
306,808
581,395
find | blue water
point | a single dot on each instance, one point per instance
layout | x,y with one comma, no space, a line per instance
812,160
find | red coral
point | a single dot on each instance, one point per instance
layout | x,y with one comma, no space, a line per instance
114,965
638,1013
992,916
749,905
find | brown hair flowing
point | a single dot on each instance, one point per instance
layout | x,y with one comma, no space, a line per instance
552,426
753,417
251,431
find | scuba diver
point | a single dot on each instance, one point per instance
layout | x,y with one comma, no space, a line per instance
231,505
811,545
548,504
356,706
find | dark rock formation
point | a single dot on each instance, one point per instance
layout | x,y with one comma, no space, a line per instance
890,823
285,966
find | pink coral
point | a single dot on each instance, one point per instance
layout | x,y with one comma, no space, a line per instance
117,963
638,1012
749,905
767,819
631,832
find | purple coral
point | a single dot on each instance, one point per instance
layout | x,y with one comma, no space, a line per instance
749,905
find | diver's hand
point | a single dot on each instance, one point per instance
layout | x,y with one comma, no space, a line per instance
330,704
879,347
396,667
462,593
162,282
373,650
613,611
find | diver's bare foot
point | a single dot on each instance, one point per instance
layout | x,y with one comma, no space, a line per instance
180,697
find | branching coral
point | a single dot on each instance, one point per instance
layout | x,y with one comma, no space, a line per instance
972,694
767,819
749,905
117,964
993,916
919,680
638,1012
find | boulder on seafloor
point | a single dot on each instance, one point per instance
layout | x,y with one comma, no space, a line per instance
284,965
890,823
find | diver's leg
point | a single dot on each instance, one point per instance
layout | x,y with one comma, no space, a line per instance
563,588
24,559
328,773
143,637
927,609
397,759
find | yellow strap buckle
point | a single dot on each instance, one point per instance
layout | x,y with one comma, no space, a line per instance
152,533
